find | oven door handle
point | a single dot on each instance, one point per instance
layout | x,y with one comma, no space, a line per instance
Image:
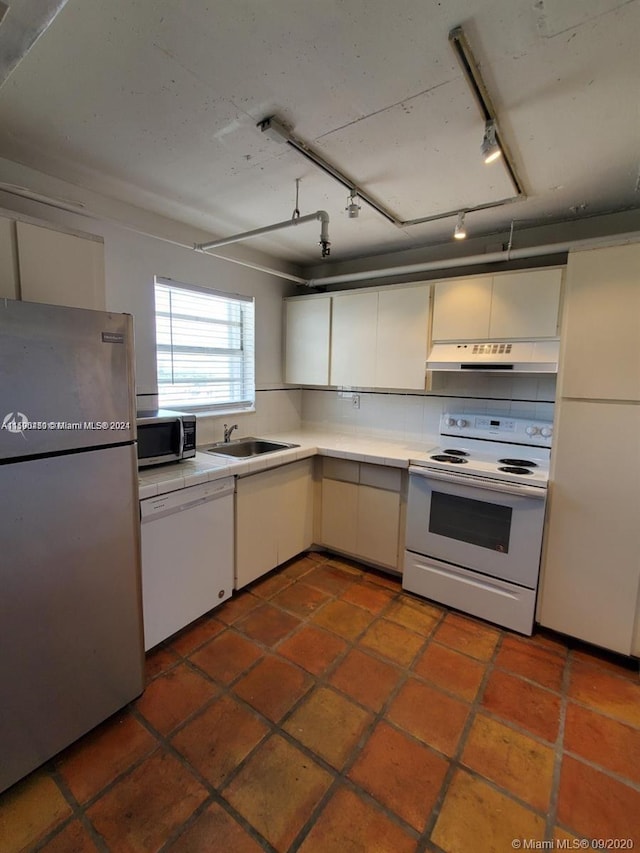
472,481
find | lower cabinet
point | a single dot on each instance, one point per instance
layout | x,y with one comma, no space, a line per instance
361,505
274,518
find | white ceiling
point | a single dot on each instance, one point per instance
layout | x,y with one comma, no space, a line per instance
155,102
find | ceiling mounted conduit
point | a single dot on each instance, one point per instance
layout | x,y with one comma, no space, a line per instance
274,128
477,260
324,241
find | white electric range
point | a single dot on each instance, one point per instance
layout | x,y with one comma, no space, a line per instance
475,517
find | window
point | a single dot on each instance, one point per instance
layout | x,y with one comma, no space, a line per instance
204,347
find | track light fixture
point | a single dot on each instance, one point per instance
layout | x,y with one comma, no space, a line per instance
490,148
353,208
460,231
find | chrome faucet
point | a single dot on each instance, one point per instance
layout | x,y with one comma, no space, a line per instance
227,432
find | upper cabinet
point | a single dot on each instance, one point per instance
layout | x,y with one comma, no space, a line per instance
509,305
9,287
307,337
40,264
461,309
370,338
60,268
353,339
379,338
601,335
402,341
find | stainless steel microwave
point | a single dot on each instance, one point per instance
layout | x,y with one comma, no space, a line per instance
165,436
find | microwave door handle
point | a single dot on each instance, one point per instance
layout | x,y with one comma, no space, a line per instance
481,483
181,448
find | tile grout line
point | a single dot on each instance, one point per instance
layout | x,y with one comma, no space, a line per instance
552,818
377,717
78,813
455,763
340,777
214,795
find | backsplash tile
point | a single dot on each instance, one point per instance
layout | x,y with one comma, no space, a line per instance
416,417
277,410
405,417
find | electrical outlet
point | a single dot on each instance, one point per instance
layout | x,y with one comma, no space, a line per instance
355,401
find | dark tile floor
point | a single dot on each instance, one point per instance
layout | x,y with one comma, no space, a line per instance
323,709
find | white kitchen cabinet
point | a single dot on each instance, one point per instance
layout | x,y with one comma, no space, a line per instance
525,304
590,578
360,514
591,568
508,305
339,515
461,309
379,338
59,268
402,339
295,509
256,526
353,339
274,518
601,336
307,340
9,286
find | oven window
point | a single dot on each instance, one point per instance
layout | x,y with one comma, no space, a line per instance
476,522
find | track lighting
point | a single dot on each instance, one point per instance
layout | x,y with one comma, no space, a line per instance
353,208
460,231
490,147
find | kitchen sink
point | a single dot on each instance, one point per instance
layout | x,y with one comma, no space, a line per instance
243,448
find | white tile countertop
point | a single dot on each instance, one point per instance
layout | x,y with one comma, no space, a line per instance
205,467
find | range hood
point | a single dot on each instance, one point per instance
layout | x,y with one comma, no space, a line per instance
496,356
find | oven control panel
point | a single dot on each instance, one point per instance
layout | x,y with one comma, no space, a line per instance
497,428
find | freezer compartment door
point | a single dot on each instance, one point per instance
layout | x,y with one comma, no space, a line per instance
70,602
67,379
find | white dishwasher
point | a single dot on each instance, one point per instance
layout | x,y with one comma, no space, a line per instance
187,556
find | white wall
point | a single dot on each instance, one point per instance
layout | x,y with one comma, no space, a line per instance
132,260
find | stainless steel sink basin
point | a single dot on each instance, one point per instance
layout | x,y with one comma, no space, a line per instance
242,448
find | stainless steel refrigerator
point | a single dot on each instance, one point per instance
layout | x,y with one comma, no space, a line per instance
71,638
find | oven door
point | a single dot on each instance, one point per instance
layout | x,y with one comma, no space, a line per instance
485,525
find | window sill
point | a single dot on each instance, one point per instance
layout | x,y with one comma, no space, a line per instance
220,413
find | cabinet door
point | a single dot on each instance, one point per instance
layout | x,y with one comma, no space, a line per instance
461,309
601,331
307,330
8,260
339,515
591,569
378,526
353,339
256,526
525,304
295,511
402,337
60,269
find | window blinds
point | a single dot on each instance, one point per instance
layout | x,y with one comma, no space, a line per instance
205,348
